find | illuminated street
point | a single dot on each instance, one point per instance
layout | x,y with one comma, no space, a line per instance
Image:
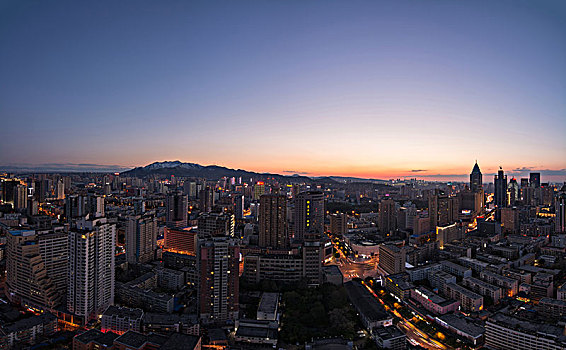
414,335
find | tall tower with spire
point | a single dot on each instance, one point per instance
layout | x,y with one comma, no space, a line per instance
476,179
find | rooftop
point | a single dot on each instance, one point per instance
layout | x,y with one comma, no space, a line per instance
463,324
123,312
386,333
179,341
538,329
464,291
483,284
268,302
28,323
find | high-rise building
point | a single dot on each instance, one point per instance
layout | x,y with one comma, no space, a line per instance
387,216
513,192
313,254
392,258
534,180
527,192
239,206
20,197
91,267
10,191
177,207
139,206
78,206
560,208
442,210
219,280
472,201
500,182
141,239
60,190
476,179
54,249
27,280
273,221
338,224
476,188
206,199
95,205
509,220
41,190
309,214
216,224
190,189
259,189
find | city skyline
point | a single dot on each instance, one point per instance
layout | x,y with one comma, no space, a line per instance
372,89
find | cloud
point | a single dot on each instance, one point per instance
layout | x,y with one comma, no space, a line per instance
543,172
446,176
418,170
64,167
523,169
296,172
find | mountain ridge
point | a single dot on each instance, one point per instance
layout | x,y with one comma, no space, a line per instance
214,172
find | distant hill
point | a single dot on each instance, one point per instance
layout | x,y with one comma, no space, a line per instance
212,172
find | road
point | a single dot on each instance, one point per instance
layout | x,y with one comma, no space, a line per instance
415,336
351,269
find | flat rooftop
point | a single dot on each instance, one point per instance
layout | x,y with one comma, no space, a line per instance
268,302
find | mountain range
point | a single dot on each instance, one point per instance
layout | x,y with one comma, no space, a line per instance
214,172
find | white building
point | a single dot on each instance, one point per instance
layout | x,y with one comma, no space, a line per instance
91,267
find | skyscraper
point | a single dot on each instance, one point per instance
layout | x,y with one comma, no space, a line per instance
387,215
527,192
273,221
474,201
141,237
259,189
54,249
177,207
500,182
513,191
91,267
239,206
206,199
309,214
60,189
10,191
560,208
219,280
27,281
476,179
20,197
534,179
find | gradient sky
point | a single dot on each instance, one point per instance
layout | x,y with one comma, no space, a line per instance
367,88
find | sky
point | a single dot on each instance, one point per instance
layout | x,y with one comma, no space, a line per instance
380,89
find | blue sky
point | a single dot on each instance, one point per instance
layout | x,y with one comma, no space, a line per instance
365,88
